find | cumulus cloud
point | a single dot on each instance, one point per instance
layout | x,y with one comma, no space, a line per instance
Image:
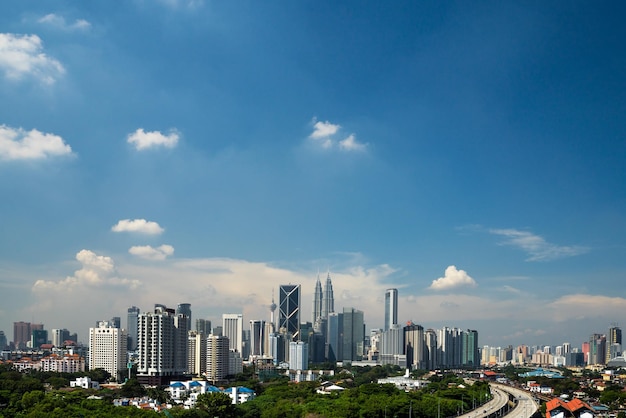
537,247
149,253
18,144
325,135
453,278
144,140
59,22
22,56
96,271
137,225
351,144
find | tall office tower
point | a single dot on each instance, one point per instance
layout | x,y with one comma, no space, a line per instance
203,326
353,334
217,357
217,330
21,334
4,343
317,301
59,336
470,349
39,337
391,308
289,310
597,349
232,327
430,349
276,348
116,322
334,346
449,348
131,327
317,347
298,355
613,342
181,327
196,353
107,348
185,309
267,331
328,301
257,328
391,345
157,342
414,346
235,362
567,348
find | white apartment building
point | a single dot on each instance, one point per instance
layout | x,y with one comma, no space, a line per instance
217,357
107,348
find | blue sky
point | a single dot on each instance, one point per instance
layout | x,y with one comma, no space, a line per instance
470,154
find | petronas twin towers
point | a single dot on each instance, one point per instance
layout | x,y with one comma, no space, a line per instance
323,301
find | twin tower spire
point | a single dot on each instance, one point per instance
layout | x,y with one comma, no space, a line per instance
323,302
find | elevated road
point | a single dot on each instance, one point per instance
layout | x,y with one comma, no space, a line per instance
507,402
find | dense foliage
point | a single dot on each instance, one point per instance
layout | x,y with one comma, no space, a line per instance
44,395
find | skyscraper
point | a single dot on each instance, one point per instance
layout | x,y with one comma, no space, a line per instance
107,348
158,341
334,346
614,342
298,355
232,327
328,300
317,301
203,326
289,310
353,334
196,353
21,334
414,346
257,328
217,357
131,327
391,308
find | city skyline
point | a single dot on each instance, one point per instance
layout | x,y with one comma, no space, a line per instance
469,155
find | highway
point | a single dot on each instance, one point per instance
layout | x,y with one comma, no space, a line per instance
506,401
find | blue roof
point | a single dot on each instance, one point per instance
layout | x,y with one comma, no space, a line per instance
211,388
176,385
195,383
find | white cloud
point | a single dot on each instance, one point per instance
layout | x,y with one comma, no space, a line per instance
59,22
137,225
96,271
324,133
452,278
144,140
324,130
149,253
18,144
22,55
351,144
537,247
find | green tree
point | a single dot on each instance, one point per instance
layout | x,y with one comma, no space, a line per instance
216,404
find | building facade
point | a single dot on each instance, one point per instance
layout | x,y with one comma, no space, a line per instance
107,348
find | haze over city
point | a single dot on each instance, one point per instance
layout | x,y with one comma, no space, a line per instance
469,154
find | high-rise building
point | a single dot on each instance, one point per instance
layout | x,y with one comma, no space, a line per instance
328,300
158,341
613,342
353,334
59,336
298,355
257,328
107,348
196,353
414,346
289,310
217,357
131,327
232,327
185,309
470,355
597,349
203,326
391,345
334,347
3,341
317,301
391,308
39,337
182,324
430,349
116,322
21,334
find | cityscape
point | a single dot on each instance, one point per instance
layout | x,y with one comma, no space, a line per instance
198,194
165,343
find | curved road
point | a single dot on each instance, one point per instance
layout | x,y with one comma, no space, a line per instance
524,407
